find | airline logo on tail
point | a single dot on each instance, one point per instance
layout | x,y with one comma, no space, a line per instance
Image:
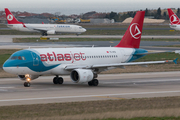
10,17
174,19
132,37
135,31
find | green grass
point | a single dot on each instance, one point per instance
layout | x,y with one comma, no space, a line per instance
24,40
144,118
160,56
162,108
5,54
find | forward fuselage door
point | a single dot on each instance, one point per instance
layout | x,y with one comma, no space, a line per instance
35,59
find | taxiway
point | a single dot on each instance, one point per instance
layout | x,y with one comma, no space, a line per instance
111,86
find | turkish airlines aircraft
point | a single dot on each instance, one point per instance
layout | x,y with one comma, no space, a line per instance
82,64
174,20
45,29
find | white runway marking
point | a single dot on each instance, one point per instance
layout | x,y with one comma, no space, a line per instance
3,90
82,96
5,87
142,81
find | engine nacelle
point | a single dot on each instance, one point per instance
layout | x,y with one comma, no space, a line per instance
81,75
25,77
51,32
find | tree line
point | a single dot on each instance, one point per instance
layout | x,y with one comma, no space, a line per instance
156,14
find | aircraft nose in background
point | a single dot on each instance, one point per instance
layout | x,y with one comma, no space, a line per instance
84,30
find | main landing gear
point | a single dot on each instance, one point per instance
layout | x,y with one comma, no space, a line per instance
44,34
58,80
93,82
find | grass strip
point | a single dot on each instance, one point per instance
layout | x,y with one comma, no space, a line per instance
27,40
96,32
131,109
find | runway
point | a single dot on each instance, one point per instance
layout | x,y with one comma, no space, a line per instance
111,86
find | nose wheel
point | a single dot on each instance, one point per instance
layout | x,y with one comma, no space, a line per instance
27,84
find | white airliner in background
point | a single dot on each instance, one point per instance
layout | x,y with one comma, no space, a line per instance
82,64
174,20
45,29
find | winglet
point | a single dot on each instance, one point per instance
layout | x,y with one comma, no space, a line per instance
175,61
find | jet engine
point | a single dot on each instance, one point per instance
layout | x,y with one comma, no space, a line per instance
26,77
81,75
51,32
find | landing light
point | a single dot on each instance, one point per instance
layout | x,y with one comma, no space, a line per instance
28,79
27,76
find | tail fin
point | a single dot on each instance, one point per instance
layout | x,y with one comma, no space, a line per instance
173,18
132,37
10,17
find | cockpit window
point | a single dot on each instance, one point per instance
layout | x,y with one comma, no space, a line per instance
17,58
23,58
13,57
80,27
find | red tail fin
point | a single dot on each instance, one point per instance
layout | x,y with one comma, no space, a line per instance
173,18
132,37
10,17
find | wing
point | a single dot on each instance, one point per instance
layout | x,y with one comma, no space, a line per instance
151,53
71,67
37,29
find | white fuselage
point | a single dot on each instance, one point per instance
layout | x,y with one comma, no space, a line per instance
58,28
62,57
175,27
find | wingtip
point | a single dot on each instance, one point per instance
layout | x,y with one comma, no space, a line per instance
175,61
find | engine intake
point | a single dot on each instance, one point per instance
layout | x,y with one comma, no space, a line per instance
81,75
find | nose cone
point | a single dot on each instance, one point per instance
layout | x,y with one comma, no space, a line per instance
6,65
84,30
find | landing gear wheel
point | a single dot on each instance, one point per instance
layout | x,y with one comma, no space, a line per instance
60,80
90,83
27,84
44,34
95,82
55,80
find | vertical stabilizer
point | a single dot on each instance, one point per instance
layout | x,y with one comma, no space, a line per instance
132,37
173,18
10,17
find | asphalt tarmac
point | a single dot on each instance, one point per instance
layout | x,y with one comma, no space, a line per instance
111,86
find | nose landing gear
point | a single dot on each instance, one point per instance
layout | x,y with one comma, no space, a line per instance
27,83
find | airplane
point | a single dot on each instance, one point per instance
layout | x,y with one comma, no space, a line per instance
45,29
82,64
174,20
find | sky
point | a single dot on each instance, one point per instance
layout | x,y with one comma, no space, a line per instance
68,7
